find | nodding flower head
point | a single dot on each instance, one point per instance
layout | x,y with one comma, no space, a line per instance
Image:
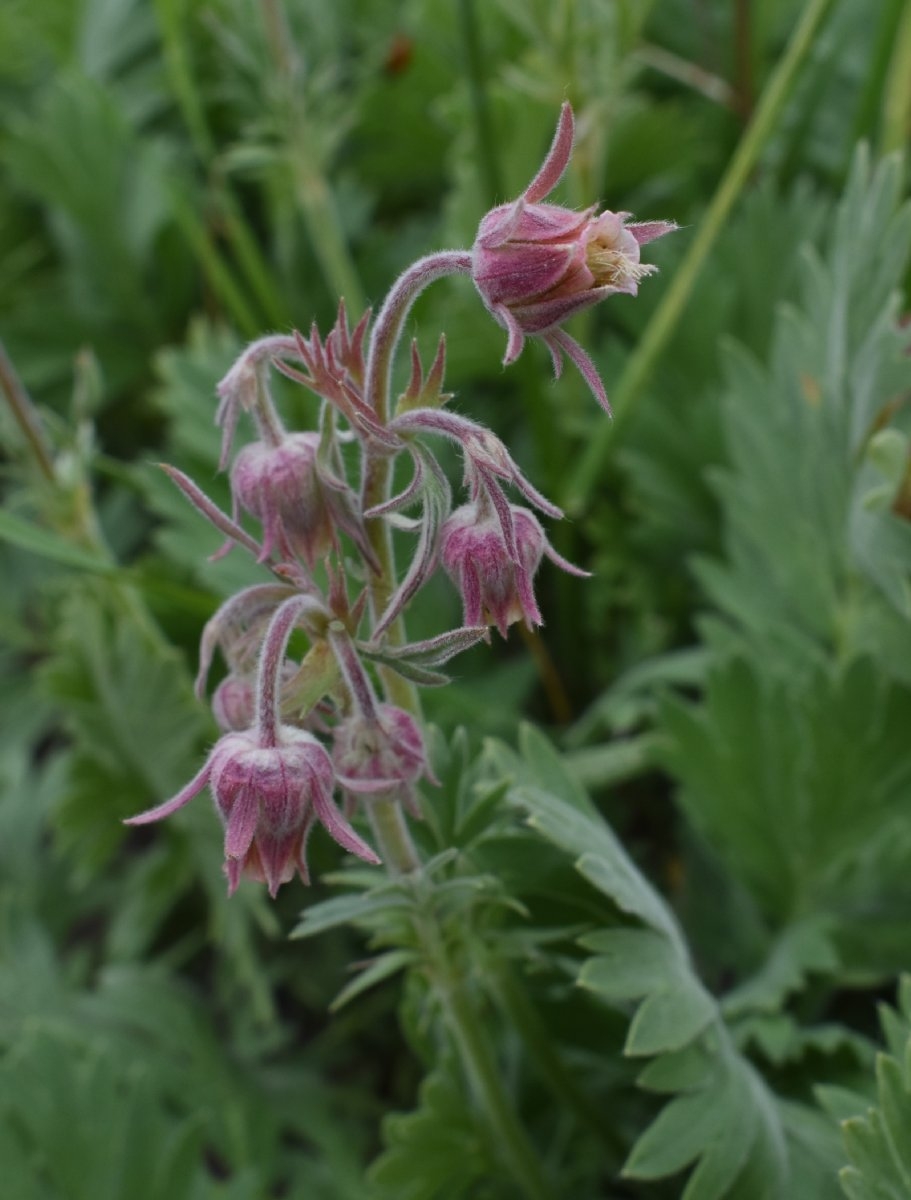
495,585
280,487
268,797
535,264
381,753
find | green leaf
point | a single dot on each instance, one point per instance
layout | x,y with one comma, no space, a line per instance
879,1142
803,948
631,964
434,1153
800,786
726,1121
628,963
91,1126
20,532
375,972
671,1017
810,567
129,707
572,825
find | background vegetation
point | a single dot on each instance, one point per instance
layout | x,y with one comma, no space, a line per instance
687,1008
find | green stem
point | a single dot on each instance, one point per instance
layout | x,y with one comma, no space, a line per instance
896,127
389,826
477,84
325,231
527,1022
484,1077
664,321
26,415
222,282
393,838
478,1059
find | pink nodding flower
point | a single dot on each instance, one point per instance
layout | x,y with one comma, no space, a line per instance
495,583
269,798
381,752
535,264
279,485
270,782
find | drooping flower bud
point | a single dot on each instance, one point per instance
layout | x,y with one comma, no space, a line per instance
496,587
234,699
280,486
268,797
380,754
535,264
234,703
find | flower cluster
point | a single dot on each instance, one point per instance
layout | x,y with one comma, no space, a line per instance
303,735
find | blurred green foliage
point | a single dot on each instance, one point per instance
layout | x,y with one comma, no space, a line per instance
685,1007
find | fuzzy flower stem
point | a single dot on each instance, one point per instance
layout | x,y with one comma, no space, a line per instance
377,467
392,837
265,414
480,1064
271,658
388,328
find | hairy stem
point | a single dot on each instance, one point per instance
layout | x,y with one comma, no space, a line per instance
664,321
272,655
391,318
393,839
480,1066
376,478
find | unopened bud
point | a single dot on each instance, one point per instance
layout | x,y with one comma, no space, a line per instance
496,588
280,486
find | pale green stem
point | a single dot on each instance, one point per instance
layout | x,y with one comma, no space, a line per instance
527,1022
484,1076
477,87
896,129
393,838
325,230
664,321
480,1065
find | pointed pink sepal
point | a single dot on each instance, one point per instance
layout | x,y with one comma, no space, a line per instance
184,796
557,160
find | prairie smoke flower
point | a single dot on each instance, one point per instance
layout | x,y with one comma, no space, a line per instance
381,752
268,798
535,264
496,586
279,485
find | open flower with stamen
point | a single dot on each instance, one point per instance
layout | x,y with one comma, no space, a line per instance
494,581
535,264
